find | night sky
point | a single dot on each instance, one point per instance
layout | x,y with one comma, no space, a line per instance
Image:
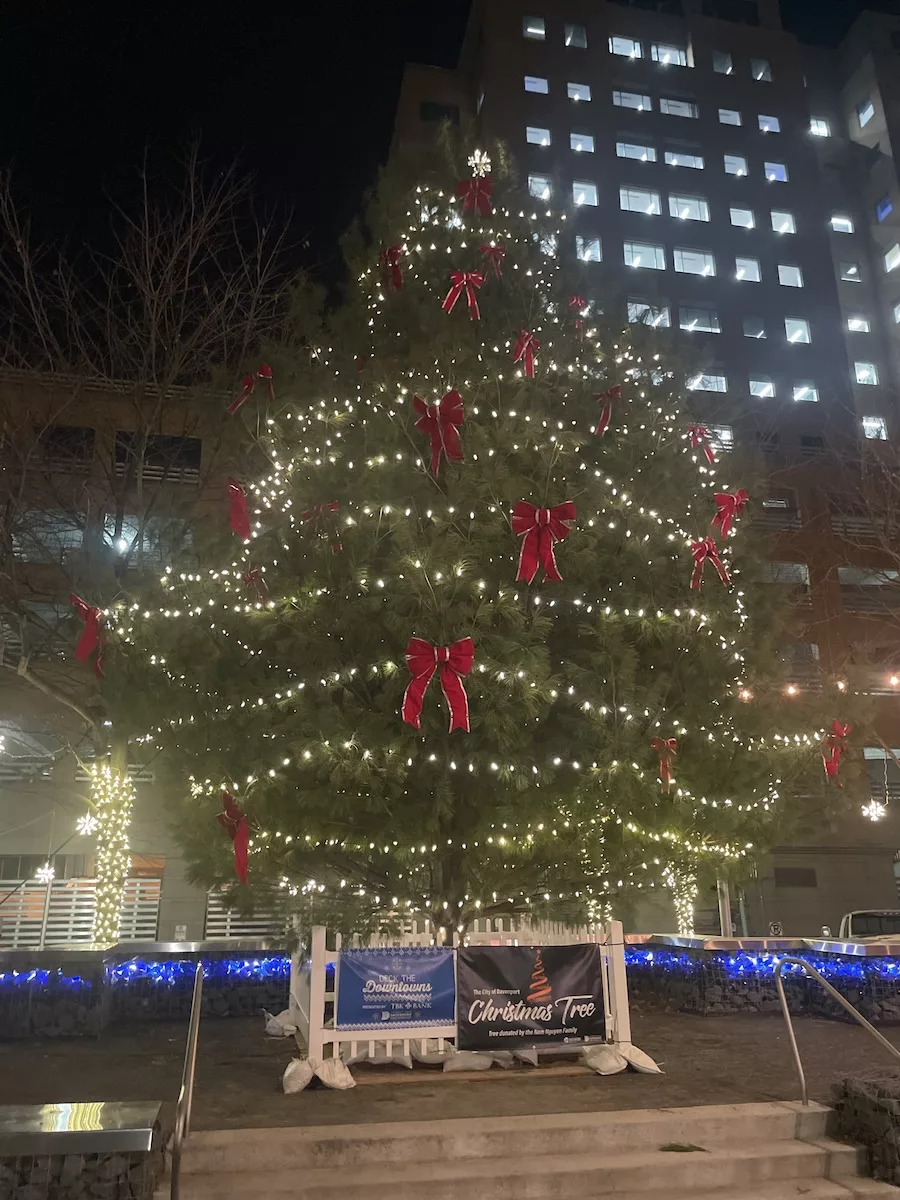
304,100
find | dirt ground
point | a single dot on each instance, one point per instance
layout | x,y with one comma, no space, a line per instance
707,1060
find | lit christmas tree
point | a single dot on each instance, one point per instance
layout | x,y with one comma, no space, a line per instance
478,646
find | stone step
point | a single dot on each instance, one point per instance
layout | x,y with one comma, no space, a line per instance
654,1173
790,1189
507,1137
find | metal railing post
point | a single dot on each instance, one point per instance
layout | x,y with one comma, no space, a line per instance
186,1093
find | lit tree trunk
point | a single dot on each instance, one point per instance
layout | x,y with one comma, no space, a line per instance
112,795
684,888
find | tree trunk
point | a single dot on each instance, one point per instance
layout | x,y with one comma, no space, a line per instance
112,795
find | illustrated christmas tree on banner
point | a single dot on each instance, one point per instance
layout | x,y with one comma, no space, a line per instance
484,641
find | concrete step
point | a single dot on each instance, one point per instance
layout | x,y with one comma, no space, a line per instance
606,1172
792,1189
507,1137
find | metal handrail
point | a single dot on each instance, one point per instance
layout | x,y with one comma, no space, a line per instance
835,994
186,1094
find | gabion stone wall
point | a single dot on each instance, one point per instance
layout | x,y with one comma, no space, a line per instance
867,1111
129,1176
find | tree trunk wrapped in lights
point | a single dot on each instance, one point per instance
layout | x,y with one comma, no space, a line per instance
112,797
406,724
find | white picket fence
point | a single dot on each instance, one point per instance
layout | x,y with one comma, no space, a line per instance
310,995
34,915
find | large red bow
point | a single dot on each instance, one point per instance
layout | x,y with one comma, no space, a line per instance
607,397
440,422
470,280
666,748
728,506
706,549
253,578
540,529
390,260
235,824
454,662
493,255
324,523
249,382
700,436
525,350
237,513
92,637
835,748
476,195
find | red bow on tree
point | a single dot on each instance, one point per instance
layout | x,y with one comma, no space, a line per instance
235,824
835,748
476,195
253,578
92,636
666,748
390,260
606,398
700,436
454,662
440,422
325,524
540,529
248,383
237,513
579,304
728,506
525,351
470,280
494,255
707,549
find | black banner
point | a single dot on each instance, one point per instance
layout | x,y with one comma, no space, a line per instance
509,996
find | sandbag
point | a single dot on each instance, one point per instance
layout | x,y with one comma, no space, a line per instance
380,1057
298,1075
605,1060
280,1026
638,1060
334,1074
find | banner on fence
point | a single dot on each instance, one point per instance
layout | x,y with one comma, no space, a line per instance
378,988
528,995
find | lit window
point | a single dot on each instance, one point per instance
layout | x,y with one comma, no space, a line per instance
675,158
694,262
582,142
673,55
548,242
841,223
708,383
584,192
743,218
632,100
849,272
735,165
884,208
783,221
754,327
760,68
819,127
762,387
576,36
806,390
539,186
789,276
796,330
537,136
769,124
634,150
699,320
721,437
776,172
639,200
897,314
789,572
678,108
534,83
588,249
747,270
578,91
857,323
688,208
626,47
892,258
865,112
875,428
534,28
641,254
729,116
722,63
640,312
866,373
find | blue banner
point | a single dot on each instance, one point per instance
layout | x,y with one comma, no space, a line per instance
378,989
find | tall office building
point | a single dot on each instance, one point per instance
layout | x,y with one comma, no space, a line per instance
737,190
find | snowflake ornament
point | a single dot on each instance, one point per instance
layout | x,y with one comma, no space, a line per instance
480,163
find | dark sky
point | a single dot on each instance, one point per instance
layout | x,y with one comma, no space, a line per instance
305,100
